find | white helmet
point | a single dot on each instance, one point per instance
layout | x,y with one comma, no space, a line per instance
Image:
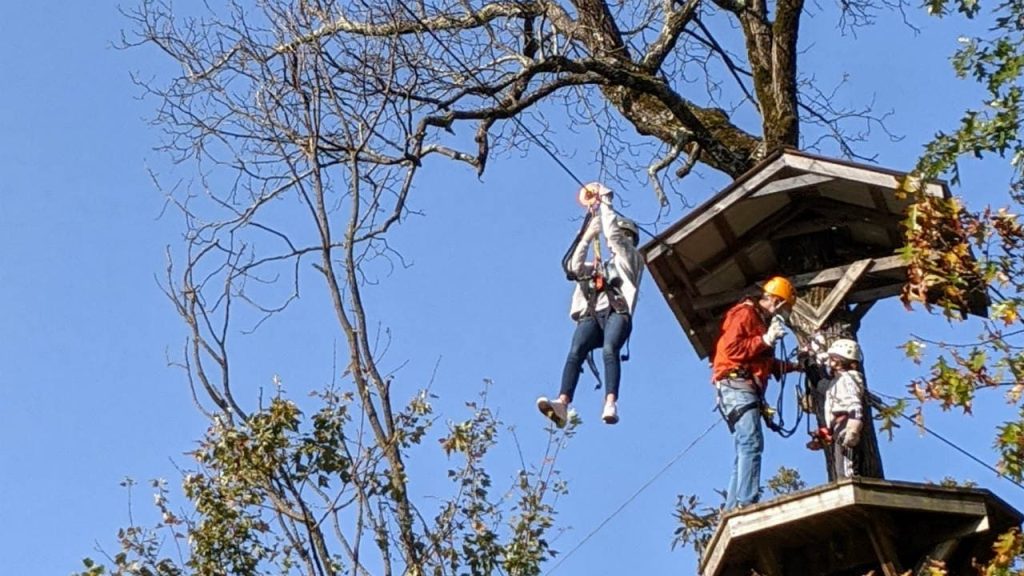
846,348
629,226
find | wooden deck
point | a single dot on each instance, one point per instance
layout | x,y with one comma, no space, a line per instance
857,525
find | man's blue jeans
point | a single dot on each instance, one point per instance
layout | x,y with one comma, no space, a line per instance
590,335
748,439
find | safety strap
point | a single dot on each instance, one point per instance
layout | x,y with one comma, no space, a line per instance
736,413
593,370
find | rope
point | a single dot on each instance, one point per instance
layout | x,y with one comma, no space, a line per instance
629,500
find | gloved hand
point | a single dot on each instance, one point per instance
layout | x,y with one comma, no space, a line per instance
851,434
774,332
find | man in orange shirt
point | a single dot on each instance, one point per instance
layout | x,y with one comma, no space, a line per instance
744,359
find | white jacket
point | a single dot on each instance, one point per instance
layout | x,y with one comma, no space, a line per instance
625,258
844,393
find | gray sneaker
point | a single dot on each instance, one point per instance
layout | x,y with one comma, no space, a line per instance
610,415
555,410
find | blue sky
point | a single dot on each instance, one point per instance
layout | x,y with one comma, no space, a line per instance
88,397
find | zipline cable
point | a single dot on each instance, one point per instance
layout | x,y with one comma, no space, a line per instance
472,74
515,118
637,493
878,403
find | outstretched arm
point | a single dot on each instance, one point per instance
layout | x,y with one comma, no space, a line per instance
578,264
627,257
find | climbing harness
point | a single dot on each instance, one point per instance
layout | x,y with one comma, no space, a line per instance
773,416
603,278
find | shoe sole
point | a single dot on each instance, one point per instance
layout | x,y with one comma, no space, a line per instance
610,419
549,412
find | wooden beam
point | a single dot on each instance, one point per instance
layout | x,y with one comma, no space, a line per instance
790,184
940,553
861,309
866,175
845,284
714,553
878,265
848,212
731,246
829,275
895,235
881,541
874,294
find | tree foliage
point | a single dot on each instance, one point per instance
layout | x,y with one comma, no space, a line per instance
959,255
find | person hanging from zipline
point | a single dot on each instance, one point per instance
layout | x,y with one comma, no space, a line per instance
744,359
603,301
844,405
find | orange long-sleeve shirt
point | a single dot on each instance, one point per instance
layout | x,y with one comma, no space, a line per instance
741,345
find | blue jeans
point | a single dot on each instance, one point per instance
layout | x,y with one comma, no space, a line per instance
748,439
589,336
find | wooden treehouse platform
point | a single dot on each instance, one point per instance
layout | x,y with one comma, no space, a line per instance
821,221
859,525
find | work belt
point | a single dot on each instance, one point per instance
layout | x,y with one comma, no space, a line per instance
738,374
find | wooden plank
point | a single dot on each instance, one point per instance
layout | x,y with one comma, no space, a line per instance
790,184
921,503
739,192
856,173
845,284
688,318
756,521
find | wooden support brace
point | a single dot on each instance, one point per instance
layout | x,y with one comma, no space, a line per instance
845,284
941,553
884,548
768,563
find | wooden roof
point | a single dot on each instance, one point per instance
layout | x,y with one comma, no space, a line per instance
857,525
722,249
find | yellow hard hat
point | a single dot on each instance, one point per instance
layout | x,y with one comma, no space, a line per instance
782,288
